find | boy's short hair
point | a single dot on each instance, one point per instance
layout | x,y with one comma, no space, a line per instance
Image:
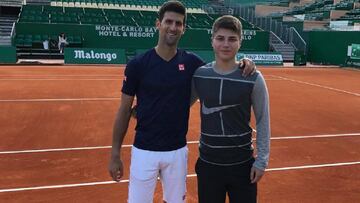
228,22
173,6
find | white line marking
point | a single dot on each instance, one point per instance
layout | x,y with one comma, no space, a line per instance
274,79
60,149
61,186
189,142
188,176
313,166
317,85
56,100
315,136
57,150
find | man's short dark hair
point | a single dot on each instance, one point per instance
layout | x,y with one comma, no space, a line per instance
228,22
173,6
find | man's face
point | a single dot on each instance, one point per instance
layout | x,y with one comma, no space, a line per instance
226,44
171,28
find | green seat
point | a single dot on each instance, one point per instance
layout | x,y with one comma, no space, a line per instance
70,40
37,41
27,42
45,37
85,20
29,19
19,40
36,38
77,41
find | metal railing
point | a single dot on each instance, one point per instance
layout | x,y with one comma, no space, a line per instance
296,40
278,31
267,23
12,30
275,39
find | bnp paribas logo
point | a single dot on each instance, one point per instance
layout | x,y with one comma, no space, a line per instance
81,54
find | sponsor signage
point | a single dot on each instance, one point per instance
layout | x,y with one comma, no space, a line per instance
262,58
94,56
353,56
125,31
355,51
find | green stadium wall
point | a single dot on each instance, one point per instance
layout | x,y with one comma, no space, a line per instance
7,54
330,47
126,37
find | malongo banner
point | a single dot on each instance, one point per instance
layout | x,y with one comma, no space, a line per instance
94,56
262,58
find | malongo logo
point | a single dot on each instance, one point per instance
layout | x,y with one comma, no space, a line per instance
81,54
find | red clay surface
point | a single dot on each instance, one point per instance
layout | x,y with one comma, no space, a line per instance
78,108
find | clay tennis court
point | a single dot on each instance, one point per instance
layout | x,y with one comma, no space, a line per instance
56,128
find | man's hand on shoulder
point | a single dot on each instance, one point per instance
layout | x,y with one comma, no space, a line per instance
248,66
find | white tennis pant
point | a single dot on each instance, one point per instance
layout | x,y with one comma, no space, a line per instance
146,166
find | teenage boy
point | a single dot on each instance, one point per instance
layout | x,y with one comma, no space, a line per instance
226,163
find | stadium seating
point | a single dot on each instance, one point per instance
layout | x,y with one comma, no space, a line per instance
352,16
153,4
73,15
56,16
48,15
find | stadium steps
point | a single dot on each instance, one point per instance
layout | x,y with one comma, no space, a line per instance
5,41
12,3
287,51
278,33
6,24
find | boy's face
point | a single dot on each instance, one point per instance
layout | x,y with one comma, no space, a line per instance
171,28
226,44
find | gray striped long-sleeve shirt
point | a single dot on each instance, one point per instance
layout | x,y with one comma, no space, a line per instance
226,101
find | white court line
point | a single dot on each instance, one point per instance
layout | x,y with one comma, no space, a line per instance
274,79
189,142
56,100
314,136
317,85
189,176
60,186
313,166
58,149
